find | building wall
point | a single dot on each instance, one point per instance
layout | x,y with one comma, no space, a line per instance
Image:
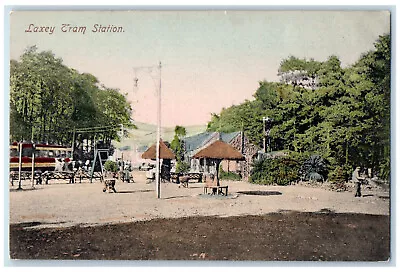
249,151
240,143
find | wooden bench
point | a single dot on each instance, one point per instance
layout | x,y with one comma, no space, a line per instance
216,190
83,174
26,175
70,176
188,176
211,184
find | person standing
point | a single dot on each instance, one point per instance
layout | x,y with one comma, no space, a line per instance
357,179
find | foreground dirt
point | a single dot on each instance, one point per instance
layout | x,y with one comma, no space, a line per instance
60,204
254,222
288,236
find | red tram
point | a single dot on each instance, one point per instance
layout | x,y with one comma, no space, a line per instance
45,156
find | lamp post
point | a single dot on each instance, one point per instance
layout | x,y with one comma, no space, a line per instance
158,187
149,70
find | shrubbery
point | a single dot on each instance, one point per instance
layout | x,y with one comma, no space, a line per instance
314,168
338,178
280,171
111,166
229,175
182,167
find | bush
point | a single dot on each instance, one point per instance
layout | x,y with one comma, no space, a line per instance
280,171
337,175
182,167
314,168
228,175
337,178
111,166
347,171
384,169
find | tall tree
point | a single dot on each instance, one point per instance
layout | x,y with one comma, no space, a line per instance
48,99
340,113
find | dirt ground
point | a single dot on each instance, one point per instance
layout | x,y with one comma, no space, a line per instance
254,222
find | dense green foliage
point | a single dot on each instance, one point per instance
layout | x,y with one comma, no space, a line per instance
279,171
49,99
342,114
179,150
228,175
314,168
111,166
338,178
182,167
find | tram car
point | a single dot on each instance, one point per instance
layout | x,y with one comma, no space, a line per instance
46,157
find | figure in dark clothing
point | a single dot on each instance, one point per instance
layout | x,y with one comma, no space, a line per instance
358,180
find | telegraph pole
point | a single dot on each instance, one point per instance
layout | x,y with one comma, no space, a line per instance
158,183
122,152
158,90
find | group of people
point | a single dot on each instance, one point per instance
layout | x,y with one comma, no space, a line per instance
125,168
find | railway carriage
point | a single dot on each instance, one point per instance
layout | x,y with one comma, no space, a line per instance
46,157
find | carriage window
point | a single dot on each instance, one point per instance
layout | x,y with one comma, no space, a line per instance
27,152
14,153
51,154
41,153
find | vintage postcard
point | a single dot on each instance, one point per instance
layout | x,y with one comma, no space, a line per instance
211,135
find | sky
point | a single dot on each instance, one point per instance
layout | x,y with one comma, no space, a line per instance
210,59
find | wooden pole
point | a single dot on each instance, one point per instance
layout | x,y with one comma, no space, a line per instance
123,167
33,169
158,187
73,143
19,167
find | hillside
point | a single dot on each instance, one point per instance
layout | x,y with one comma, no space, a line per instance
145,134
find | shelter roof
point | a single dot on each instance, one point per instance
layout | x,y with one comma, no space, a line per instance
219,150
165,152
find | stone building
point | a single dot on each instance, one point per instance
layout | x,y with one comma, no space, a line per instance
238,140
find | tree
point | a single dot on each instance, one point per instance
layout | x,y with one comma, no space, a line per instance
49,99
299,72
40,93
375,66
342,114
177,146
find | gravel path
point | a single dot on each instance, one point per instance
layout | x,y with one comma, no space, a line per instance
60,204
